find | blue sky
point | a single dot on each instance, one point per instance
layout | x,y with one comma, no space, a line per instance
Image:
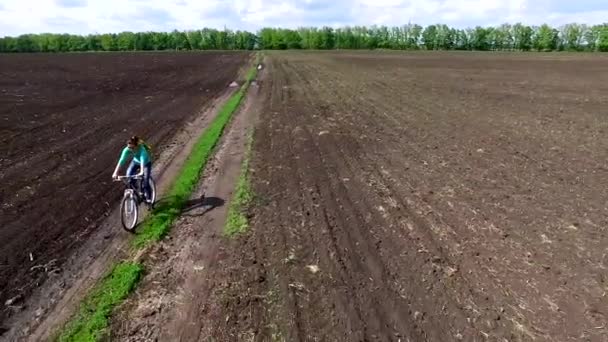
97,16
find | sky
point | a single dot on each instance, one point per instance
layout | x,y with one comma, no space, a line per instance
101,16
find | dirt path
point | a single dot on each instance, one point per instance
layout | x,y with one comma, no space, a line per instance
53,304
172,300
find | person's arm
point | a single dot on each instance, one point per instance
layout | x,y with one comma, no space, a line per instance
115,174
121,161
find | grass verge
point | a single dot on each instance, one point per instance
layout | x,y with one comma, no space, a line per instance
236,221
96,309
90,322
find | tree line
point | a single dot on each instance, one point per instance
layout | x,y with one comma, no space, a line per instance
570,37
205,39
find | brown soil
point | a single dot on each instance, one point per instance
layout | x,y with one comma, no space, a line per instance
399,197
422,197
65,118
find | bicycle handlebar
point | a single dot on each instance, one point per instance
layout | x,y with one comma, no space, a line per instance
126,177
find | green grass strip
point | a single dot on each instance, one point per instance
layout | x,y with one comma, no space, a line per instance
97,307
236,222
92,319
157,225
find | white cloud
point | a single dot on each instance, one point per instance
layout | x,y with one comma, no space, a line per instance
87,16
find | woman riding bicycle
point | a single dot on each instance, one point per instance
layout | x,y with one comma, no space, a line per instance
141,162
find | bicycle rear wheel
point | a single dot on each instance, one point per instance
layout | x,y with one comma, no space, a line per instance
129,212
152,185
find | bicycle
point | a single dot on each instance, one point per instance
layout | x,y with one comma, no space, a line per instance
132,198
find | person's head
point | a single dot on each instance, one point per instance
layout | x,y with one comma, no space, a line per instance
133,142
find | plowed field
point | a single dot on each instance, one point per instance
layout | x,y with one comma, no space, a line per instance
64,119
423,197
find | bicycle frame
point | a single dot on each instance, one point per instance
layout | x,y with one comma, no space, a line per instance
129,187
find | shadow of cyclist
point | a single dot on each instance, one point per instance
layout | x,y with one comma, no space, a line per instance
209,203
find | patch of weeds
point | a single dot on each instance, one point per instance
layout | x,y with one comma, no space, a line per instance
273,301
237,221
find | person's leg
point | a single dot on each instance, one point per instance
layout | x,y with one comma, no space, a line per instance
146,181
132,170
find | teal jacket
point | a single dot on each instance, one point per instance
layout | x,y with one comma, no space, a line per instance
140,155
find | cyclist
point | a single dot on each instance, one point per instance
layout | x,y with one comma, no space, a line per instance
142,162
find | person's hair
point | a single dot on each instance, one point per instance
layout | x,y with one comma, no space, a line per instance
137,141
134,140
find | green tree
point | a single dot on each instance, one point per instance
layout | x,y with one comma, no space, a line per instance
223,40
108,42
76,43
209,39
25,43
327,38
345,39
292,39
143,41
591,37
363,40
545,39
195,39
10,44
93,42
125,41
462,40
572,37
444,38
384,40
429,37
414,35
505,32
480,39
602,42
178,41
266,35
522,37
371,39
54,43
397,38
161,41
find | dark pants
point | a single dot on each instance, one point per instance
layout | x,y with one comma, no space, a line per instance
134,169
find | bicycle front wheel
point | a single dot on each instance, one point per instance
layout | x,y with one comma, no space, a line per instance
129,212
